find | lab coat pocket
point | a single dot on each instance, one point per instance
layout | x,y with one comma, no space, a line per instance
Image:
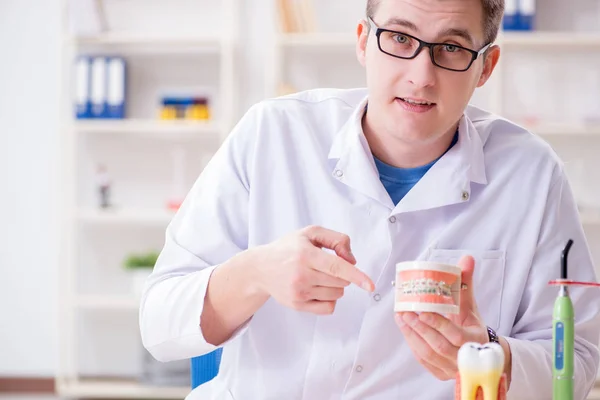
488,279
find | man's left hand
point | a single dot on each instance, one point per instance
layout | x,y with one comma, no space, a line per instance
436,339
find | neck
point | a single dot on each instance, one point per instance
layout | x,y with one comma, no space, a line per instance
401,152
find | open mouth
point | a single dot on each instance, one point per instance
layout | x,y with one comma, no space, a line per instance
415,105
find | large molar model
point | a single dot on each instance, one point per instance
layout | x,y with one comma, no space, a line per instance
481,372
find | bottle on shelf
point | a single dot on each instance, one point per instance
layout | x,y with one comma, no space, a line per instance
103,183
178,192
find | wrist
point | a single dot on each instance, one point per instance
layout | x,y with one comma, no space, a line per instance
507,359
252,269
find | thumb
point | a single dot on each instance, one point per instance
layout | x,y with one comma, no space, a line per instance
336,241
467,296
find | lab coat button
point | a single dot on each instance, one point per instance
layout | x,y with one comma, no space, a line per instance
338,173
359,368
392,219
377,297
465,196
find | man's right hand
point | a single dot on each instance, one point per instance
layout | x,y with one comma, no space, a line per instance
298,273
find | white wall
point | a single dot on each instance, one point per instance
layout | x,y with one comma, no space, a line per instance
28,158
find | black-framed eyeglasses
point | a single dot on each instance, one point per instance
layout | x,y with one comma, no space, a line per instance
444,55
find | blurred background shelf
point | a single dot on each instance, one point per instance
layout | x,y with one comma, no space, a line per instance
549,39
590,218
505,38
166,73
107,302
138,43
316,40
117,389
565,129
163,129
126,216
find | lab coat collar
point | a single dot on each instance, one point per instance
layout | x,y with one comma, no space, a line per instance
447,182
355,165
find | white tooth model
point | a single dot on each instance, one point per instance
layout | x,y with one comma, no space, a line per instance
481,366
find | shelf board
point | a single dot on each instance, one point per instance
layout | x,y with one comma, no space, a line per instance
563,129
589,218
316,40
107,302
161,129
117,389
549,38
134,43
508,38
157,217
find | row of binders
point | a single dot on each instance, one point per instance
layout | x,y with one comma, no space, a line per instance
100,87
519,15
296,16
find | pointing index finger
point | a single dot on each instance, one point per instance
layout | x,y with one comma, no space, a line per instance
338,267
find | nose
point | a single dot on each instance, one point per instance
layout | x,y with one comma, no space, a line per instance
421,70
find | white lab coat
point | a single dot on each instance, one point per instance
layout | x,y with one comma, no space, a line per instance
499,194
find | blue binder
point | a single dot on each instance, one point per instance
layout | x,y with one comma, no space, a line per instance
511,15
116,87
83,105
527,10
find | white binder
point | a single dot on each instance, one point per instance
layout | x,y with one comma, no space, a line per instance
98,87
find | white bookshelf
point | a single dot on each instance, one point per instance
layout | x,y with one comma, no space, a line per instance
590,219
118,389
536,39
346,42
160,129
167,58
316,40
101,302
566,129
139,41
510,39
131,216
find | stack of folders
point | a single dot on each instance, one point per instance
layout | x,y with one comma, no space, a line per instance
100,87
519,15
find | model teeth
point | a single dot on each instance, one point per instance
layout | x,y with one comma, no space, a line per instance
425,286
420,103
480,366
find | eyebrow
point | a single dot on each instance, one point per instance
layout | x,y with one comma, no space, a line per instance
462,33
402,22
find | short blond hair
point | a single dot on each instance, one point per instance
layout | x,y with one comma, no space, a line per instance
493,11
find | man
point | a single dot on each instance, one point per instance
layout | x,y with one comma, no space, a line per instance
284,252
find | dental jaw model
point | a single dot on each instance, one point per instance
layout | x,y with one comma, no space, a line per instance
480,372
423,286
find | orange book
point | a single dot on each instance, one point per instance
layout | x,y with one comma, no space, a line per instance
296,15
308,16
284,16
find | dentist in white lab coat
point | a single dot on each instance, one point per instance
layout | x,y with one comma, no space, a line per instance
402,170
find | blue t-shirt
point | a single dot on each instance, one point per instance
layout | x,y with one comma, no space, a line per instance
399,181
